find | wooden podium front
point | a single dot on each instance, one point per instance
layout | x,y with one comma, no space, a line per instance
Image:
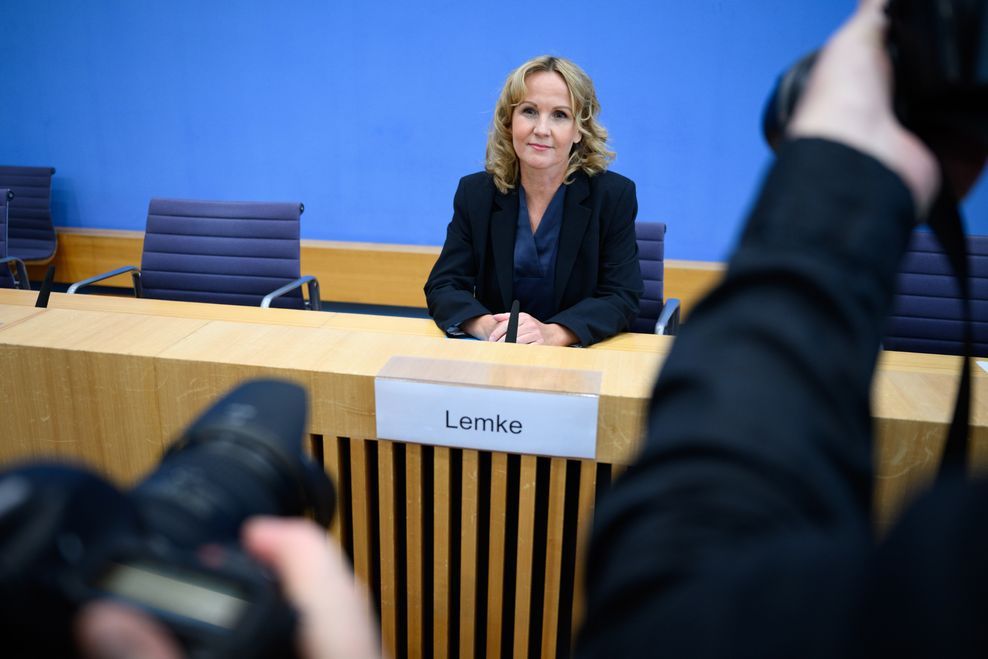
468,553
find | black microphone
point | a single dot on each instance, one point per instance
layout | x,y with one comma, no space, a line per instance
512,335
45,291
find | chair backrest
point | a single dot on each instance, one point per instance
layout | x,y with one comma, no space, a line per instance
221,252
30,234
651,238
926,314
6,281
4,208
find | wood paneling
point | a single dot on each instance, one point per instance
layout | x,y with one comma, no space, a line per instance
362,273
586,500
553,556
83,253
360,502
689,281
414,543
525,549
469,529
442,539
390,600
495,564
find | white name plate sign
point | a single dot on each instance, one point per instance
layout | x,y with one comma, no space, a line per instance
490,407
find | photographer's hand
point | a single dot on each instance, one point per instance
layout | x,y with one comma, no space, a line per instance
108,630
335,615
336,619
849,99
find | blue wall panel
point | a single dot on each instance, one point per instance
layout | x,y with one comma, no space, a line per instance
370,112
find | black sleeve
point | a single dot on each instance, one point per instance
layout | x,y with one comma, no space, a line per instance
614,302
752,492
449,290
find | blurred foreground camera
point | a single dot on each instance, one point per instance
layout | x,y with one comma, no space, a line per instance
170,545
939,51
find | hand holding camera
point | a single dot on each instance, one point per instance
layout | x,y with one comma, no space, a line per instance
899,81
848,98
170,547
335,615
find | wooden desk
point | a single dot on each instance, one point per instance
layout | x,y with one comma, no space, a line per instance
461,548
10,315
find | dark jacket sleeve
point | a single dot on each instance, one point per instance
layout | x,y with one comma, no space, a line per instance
738,531
449,290
612,304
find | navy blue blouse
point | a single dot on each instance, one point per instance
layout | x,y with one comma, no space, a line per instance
535,256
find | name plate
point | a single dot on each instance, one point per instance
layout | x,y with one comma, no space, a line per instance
490,407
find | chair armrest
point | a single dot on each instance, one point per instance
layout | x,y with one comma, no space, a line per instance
314,303
135,274
668,322
20,281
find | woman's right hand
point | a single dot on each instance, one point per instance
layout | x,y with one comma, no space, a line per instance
479,327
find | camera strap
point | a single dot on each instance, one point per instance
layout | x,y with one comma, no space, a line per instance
948,226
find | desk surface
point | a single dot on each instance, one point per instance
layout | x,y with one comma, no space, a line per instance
908,386
194,351
361,322
154,364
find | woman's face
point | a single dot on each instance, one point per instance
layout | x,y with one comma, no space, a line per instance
543,129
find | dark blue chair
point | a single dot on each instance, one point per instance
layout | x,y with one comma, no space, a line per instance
926,314
244,252
655,315
30,234
13,273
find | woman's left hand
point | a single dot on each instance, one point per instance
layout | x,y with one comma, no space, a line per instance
532,330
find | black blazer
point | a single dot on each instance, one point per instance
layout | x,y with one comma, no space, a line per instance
597,280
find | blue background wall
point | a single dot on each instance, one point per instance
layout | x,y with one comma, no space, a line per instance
370,112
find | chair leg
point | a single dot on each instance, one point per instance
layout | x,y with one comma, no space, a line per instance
18,273
315,302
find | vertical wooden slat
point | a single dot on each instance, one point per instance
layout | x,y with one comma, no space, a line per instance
553,555
314,449
413,543
440,557
526,532
584,517
468,553
389,572
331,462
495,566
360,504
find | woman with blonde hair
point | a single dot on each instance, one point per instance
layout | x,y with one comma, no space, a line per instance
545,224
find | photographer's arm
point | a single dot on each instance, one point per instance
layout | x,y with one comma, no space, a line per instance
743,528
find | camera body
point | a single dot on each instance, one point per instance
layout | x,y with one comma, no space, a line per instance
170,545
939,53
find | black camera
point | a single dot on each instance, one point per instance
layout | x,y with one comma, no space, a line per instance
170,545
939,52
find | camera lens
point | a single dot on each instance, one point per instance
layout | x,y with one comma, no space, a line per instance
243,457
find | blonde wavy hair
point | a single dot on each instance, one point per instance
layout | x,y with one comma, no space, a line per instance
589,154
